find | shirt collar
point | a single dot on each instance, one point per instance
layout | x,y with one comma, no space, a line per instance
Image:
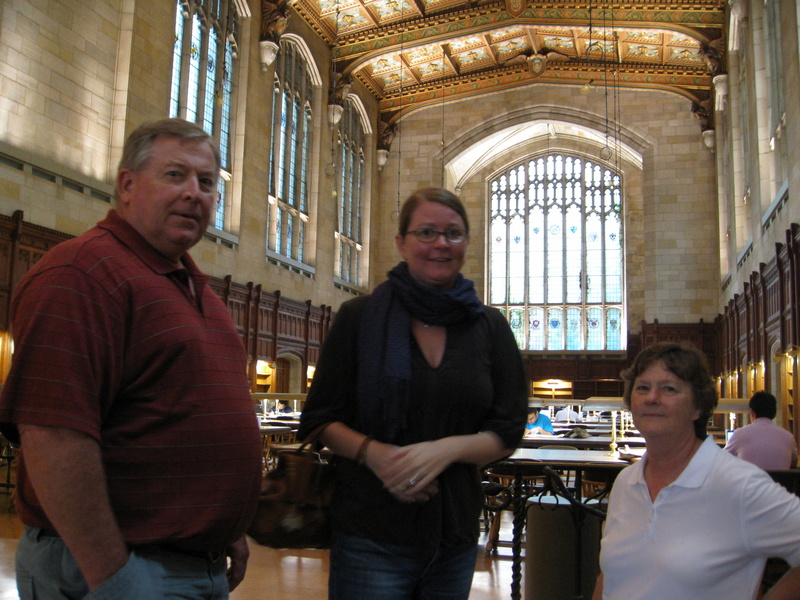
694,474
127,235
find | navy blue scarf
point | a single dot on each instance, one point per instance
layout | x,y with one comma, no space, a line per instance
384,363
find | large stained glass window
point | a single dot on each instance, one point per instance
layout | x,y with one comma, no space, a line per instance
350,180
290,146
556,253
203,61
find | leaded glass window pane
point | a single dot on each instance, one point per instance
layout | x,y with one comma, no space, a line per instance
614,329
536,253
225,110
556,252
211,82
516,255
350,166
202,78
517,324
594,329
574,329
194,69
287,212
537,327
177,62
219,212
498,239
279,228
555,329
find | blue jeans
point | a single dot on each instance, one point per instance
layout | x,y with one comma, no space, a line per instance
46,570
362,569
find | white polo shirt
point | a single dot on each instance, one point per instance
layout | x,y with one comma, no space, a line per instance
707,535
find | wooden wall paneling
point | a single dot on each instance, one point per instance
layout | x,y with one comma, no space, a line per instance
23,245
793,244
316,319
266,341
793,298
634,346
771,286
275,324
6,253
759,317
292,328
733,334
702,336
590,375
253,321
542,368
749,334
764,316
743,332
783,268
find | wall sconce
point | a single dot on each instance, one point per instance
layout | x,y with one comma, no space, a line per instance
383,158
310,371
708,139
334,113
268,50
6,351
264,368
720,91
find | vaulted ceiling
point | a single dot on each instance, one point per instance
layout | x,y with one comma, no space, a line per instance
414,53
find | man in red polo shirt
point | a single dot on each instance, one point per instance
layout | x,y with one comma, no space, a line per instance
140,449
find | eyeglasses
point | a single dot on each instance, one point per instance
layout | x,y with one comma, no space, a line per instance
426,235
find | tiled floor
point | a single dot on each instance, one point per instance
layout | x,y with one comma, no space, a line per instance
280,574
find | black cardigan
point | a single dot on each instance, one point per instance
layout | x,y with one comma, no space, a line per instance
480,386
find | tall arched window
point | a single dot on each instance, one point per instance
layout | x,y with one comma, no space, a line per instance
349,185
772,36
203,62
287,208
556,253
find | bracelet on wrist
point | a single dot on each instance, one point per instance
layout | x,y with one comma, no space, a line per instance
361,456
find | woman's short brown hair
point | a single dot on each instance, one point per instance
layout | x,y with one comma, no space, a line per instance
685,362
438,195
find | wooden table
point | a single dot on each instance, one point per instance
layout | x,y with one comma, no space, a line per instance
293,423
584,424
272,435
271,429
591,430
532,462
598,442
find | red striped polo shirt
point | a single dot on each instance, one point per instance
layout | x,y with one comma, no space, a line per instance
109,341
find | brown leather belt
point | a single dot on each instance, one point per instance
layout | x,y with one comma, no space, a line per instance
211,556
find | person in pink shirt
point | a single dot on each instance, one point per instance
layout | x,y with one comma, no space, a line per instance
762,442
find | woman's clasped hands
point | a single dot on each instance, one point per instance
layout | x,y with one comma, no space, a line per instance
408,472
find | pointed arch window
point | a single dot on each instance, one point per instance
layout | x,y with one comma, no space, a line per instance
350,171
203,62
556,253
287,208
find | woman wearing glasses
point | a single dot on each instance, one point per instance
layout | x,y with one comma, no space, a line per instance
417,385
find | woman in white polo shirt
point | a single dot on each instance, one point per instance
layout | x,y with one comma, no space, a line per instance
690,520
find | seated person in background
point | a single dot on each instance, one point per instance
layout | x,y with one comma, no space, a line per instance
538,423
283,407
567,414
762,442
